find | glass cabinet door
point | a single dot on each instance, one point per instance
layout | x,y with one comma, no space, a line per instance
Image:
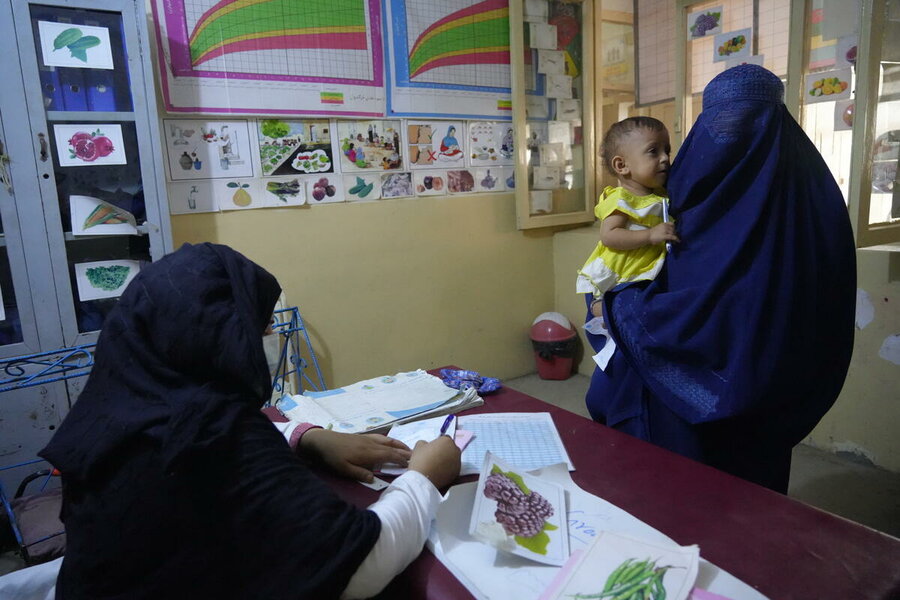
553,111
97,155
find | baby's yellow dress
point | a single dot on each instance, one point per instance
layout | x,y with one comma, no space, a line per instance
606,268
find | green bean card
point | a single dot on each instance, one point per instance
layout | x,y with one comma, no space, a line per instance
620,566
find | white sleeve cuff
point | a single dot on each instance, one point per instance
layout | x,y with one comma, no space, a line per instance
406,509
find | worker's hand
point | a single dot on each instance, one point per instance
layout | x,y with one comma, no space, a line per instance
354,455
439,460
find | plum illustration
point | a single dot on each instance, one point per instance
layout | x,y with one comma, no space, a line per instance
329,190
318,193
428,182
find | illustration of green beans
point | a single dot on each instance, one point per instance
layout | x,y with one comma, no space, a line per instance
632,580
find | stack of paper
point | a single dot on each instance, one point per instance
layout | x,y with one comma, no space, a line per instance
373,405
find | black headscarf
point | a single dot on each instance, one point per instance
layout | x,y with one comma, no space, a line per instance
178,359
174,482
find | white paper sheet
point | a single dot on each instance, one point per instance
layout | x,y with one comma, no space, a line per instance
527,440
491,575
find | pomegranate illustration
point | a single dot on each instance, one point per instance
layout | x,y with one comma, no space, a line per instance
103,145
90,146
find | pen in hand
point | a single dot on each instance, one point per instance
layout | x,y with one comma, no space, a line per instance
446,424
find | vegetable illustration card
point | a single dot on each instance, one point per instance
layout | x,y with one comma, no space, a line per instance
105,278
79,46
619,566
284,191
89,145
520,514
363,186
92,216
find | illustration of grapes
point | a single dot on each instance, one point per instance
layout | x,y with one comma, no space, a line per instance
633,579
521,512
241,197
704,23
76,42
90,146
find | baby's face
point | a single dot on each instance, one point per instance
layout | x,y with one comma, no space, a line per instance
646,154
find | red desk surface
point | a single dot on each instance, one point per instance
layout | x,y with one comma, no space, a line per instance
784,548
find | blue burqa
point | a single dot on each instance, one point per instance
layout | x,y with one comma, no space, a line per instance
742,343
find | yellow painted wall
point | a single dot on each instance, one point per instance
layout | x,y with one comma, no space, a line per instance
400,284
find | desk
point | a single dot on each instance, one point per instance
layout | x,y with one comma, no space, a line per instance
784,548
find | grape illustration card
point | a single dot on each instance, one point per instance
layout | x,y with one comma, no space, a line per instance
520,514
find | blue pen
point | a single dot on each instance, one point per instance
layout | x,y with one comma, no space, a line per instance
446,424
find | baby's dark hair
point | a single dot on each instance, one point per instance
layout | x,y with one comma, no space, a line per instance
610,146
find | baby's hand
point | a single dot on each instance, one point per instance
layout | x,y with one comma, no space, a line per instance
664,232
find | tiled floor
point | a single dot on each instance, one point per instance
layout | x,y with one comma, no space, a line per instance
840,485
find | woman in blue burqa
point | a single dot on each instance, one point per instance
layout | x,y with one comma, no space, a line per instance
176,485
742,343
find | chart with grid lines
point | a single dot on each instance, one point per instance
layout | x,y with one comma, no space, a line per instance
449,57
526,440
243,55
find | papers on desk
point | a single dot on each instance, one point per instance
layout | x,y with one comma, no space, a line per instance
526,440
375,404
426,430
491,574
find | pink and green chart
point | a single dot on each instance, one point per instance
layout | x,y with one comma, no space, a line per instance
271,56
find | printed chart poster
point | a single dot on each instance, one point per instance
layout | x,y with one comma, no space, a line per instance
105,278
207,149
827,86
490,143
89,145
430,183
271,56
92,216
295,147
79,46
435,144
363,186
733,45
370,145
238,194
284,191
705,22
187,197
448,58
